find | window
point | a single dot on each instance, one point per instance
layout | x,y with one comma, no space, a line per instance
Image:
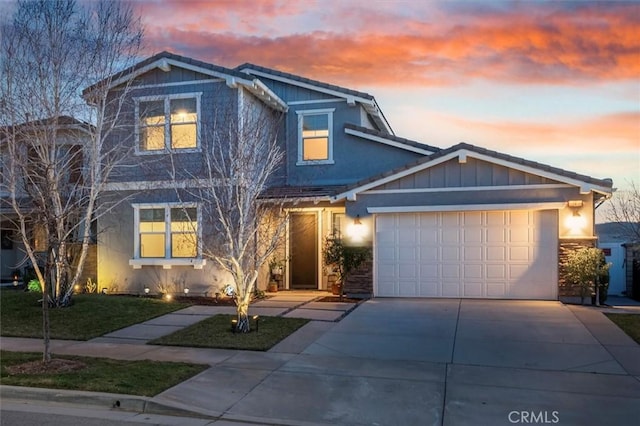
168,122
315,140
338,220
166,231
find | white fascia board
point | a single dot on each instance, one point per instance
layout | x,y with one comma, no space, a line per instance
336,93
469,188
165,65
391,178
466,207
386,141
262,91
585,187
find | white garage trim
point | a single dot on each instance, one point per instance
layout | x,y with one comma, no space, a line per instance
467,207
501,254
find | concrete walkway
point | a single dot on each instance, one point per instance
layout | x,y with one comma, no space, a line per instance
403,361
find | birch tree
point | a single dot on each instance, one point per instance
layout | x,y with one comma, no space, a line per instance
624,209
242,228
54,166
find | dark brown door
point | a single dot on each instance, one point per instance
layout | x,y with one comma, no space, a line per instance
303,251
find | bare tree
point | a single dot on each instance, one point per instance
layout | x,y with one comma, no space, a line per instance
624,209
55,166
241,156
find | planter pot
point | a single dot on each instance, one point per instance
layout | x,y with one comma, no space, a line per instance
336,288
273,287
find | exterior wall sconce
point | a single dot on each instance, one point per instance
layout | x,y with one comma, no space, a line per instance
575,223
357,230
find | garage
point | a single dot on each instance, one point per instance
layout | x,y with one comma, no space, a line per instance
502,254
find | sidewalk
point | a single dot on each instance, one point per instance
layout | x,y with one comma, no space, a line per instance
390,361
130,344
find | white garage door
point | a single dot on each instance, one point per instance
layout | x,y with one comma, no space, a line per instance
483,254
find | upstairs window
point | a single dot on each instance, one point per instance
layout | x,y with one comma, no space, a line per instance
315,139
168,123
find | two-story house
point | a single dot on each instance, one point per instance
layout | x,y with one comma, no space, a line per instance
457,222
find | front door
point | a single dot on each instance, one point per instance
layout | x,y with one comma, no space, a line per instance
303,251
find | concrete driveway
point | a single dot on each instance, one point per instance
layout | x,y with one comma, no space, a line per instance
448,361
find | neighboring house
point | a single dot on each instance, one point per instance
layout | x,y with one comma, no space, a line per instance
457,222
70,139
624,256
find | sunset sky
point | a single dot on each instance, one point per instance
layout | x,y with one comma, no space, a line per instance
555,82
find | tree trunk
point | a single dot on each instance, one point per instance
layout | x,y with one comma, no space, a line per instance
46,354
243,317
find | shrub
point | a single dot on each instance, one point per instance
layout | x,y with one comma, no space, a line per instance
587,268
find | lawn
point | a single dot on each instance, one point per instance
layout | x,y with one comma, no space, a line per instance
215,332
145,378
90,316
629,323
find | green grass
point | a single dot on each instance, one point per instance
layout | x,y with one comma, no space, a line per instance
629,323
215,332
90,316
145,378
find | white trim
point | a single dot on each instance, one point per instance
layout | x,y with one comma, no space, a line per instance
137,262
309,86
317,211
301,114
316,101
585,187
232,81
466,207
167,263
467,188
167,98
267,95
387,141
175,84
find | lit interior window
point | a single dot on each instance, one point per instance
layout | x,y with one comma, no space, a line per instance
315,137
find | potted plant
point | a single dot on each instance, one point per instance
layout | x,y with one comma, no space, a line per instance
276,266
343,259
273,286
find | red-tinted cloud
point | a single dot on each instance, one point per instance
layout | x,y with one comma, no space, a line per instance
523,44
612,133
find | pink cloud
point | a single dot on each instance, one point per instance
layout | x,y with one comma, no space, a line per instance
528,44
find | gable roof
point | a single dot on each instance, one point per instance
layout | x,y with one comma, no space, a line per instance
352,96
385,138
165,60
464,150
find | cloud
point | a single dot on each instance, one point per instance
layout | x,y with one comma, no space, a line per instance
530,43
619,132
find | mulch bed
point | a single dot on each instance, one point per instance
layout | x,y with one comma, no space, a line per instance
207,301
336,299
55,366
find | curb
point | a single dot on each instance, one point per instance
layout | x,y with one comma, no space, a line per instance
118,402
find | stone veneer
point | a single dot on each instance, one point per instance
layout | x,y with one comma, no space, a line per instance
566,246
360,281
